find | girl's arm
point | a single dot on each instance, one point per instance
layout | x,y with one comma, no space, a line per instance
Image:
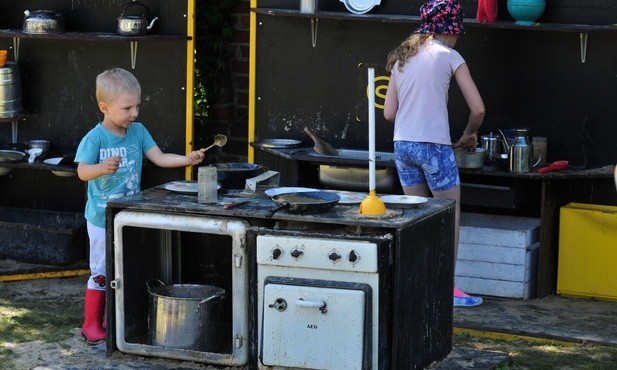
470,92
391,104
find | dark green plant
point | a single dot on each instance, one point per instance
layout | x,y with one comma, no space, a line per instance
213,33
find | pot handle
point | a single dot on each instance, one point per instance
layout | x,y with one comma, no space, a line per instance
282,205
539,157
139,3
220,295
153,283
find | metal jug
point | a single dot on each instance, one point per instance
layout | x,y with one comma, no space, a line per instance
520,152
492,144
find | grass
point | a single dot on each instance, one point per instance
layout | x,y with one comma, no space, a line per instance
27,319
38,317
544,354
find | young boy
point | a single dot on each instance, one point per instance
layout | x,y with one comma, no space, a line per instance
110,158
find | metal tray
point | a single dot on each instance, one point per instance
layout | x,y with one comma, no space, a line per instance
278,143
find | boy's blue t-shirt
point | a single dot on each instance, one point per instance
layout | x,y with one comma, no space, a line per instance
96,147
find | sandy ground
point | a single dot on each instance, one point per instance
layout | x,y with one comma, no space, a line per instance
74,353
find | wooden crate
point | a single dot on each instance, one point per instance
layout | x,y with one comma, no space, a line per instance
498,255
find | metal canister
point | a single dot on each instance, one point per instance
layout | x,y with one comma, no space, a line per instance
10,91
492,144
521,152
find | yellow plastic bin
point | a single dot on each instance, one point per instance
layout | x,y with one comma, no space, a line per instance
588,251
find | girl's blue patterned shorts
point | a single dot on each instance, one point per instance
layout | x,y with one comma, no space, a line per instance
433,164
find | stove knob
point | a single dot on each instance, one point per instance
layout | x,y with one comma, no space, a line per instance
334,256
276,253
353,257
296,253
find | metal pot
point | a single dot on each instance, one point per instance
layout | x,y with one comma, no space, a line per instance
185,316
43,21
305,202
135,25
470,159
234,175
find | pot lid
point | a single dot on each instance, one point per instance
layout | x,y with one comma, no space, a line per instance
360,6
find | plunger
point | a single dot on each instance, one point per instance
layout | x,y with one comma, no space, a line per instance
371,205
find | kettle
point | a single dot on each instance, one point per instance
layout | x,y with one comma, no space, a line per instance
42,21
520,151
135,25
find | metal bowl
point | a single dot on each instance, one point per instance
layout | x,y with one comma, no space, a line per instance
470,159
40,144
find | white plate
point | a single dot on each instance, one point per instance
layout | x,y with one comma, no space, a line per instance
187,186
278,191
402,199
53,161
350,197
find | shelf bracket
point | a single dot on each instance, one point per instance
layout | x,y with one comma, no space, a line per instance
133,54
314,25
583,36
16,48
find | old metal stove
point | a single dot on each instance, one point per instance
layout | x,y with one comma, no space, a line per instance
332,290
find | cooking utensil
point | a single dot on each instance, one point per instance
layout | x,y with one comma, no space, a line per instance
277,143
35,152
372,205
11,156
234,175
492,144
39,144
231,205
135,25
470,159
520,152
268,178
305,202
43,21
10,92
555,166
219,140
321,146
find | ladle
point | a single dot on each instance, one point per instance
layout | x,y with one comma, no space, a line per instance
219,140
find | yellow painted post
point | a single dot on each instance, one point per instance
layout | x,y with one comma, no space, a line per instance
252,69
190,83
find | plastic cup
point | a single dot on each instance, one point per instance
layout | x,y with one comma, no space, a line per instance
3,54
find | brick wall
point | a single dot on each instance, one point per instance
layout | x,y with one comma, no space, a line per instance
231,106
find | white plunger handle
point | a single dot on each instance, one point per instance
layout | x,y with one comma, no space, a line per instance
371,128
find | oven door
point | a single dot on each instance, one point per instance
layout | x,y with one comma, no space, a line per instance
316,324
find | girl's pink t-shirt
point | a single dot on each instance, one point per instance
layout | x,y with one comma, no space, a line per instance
422,92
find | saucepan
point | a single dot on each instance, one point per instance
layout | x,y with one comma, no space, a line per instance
308,202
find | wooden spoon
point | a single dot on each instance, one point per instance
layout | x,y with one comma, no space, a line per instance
321,146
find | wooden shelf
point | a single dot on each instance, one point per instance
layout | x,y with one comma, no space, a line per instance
89,36
400,18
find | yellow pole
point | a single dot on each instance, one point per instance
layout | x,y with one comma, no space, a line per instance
252,68
190,76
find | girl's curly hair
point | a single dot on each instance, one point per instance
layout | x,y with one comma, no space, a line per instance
408,48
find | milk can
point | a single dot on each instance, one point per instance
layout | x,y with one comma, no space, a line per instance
10,91
521,152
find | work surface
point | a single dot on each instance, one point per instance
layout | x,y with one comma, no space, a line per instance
158,199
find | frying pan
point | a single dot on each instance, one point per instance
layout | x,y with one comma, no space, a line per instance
305,203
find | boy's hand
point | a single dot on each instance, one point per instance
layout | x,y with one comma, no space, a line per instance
111,165
195,157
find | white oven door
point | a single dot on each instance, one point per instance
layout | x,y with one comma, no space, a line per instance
316,327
